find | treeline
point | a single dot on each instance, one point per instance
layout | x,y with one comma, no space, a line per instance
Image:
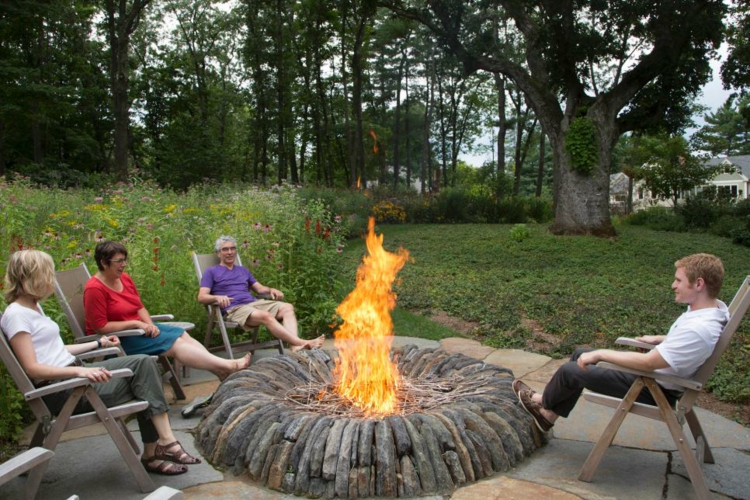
310,92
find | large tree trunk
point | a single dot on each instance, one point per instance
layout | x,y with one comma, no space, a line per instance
582,200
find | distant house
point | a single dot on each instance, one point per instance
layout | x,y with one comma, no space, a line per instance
736,183
619,186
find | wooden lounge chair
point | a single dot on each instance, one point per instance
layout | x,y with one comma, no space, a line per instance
69,292
216,320
673,417
24,462
50,427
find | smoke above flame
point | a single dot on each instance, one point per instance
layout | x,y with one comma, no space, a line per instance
364,371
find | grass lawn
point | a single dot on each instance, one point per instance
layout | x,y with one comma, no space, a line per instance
552,294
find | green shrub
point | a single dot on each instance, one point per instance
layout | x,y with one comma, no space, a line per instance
699,212
539,209
657,218
520,232
512,211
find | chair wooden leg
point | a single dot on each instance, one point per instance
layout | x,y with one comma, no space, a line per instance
680,439
702,447
55,433
225,339
179,392
121,441
38,437
595,457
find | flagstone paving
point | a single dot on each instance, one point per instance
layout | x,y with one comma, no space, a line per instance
642,463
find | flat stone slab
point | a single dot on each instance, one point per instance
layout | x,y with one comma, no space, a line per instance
92,468
467,347
520,362
623,473
727,476
545,372
507,488
588,420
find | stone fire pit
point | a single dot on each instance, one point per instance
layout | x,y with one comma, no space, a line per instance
460,422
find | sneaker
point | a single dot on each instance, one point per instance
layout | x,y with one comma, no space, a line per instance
198,403
534,409
519,386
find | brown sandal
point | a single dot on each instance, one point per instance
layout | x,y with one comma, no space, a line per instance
178,455
165,468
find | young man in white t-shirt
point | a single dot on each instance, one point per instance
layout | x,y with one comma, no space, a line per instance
688,344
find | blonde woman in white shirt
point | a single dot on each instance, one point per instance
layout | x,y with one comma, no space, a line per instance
36,342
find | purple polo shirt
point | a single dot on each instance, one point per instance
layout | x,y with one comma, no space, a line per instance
234,283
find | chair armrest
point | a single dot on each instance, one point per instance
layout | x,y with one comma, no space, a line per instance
659,377
634,343
264,296
71,383
96,353
23,462
122,333
162,317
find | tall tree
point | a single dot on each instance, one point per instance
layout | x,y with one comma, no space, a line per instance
122,18
726,131
668,168
664,45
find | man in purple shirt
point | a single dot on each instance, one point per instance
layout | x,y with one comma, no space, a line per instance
228,285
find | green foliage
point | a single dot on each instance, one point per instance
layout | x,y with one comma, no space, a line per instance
290,243
389,212
578,291
581,145
520,232
726,130
12,407
657,218
668,166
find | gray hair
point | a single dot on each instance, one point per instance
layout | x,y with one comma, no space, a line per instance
221,240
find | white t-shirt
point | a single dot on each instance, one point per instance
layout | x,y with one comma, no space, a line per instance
691,340
45,334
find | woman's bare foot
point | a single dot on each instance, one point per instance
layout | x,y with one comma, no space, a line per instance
310,344
244,362
238,364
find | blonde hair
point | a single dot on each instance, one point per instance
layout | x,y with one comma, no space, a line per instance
706,266
31,273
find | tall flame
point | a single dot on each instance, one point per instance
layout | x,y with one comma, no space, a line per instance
365,373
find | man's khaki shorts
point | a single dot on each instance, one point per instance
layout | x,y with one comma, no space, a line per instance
240,314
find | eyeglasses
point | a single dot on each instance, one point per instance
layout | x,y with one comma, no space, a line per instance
228,249
119,261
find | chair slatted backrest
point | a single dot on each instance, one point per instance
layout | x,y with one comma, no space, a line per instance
23,383
737,309
69,293
203,261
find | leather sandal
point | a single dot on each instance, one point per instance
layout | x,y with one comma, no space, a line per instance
178,455
164,468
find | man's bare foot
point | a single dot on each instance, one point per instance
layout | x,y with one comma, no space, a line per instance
310,344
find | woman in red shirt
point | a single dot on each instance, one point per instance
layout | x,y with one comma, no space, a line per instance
112,304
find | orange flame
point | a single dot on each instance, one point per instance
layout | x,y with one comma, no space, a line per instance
365,373
375,148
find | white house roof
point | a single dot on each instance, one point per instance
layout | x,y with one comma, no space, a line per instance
741,162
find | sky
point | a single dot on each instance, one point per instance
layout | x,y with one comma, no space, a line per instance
713,96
